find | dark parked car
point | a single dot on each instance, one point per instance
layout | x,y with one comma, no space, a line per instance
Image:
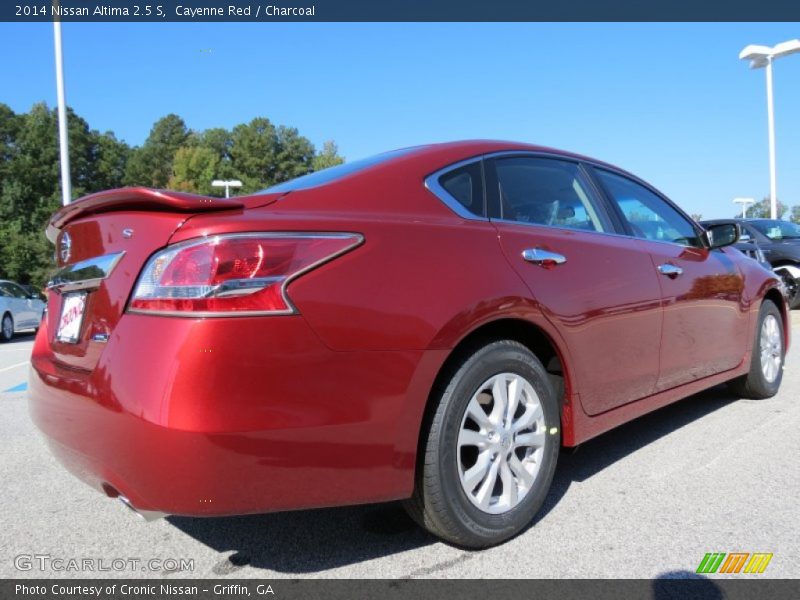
431,324
779,242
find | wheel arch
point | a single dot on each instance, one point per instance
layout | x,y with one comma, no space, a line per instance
527,333
775,295
791,266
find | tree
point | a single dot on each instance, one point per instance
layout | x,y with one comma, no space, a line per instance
30,186
697,217
110,162
763,210
329,157
9,127
253,150
294,155
151,164
795,216
258,153
193,169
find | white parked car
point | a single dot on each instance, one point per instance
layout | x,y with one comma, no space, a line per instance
19,310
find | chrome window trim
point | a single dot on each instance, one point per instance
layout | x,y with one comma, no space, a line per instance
609,233
83,275
432,184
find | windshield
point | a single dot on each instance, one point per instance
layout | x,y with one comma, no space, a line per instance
777,230
332,174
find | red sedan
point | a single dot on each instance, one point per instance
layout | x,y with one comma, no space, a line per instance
431,324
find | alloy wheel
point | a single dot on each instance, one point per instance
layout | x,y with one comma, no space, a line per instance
501,443
771,347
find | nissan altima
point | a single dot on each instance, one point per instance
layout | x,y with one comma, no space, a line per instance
432,325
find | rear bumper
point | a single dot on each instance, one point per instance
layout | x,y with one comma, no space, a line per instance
233,416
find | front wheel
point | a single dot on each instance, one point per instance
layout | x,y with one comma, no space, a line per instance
766,364
491,449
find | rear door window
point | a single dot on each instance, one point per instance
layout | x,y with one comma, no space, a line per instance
545,191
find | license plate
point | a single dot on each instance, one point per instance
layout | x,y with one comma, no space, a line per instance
72,309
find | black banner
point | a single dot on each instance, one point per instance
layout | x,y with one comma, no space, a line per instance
280,589
407,10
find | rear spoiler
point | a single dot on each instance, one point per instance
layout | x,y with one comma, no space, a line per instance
136,198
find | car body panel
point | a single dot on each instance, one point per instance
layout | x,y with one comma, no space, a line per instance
212,416
602,285
273,431
101,235
702,306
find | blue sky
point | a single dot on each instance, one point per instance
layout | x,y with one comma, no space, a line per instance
670,102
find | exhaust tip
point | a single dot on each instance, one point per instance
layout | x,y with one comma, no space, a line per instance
147,515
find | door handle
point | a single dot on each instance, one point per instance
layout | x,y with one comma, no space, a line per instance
669,270
543,258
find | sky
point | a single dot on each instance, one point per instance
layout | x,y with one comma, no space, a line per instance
670,102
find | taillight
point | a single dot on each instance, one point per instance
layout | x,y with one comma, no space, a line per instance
232,274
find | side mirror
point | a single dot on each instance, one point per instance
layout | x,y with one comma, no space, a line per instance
724,234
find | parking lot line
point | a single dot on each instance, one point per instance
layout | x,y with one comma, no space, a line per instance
22,387
22,364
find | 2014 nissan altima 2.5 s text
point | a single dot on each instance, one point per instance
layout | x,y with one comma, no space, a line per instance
430,325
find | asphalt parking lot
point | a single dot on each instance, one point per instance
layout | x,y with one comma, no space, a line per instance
710,474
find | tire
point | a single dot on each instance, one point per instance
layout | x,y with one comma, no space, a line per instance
794,302
766,373
448,461
792,285
6,328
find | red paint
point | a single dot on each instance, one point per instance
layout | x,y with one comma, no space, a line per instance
211,416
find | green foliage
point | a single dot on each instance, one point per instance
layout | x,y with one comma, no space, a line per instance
763,210
30,189
151,164
329,157
258,153
795,215
193,169
253,153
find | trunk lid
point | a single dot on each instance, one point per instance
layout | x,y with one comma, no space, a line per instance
102,242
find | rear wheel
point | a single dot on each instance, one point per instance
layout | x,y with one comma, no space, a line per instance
491,449
766,364
6,328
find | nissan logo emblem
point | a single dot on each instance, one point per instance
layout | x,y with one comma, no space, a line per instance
65,247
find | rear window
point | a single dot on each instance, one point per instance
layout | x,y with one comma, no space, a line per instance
336,173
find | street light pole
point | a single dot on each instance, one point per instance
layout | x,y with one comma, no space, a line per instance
227,184
773,177
744,202
764,56
66,186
